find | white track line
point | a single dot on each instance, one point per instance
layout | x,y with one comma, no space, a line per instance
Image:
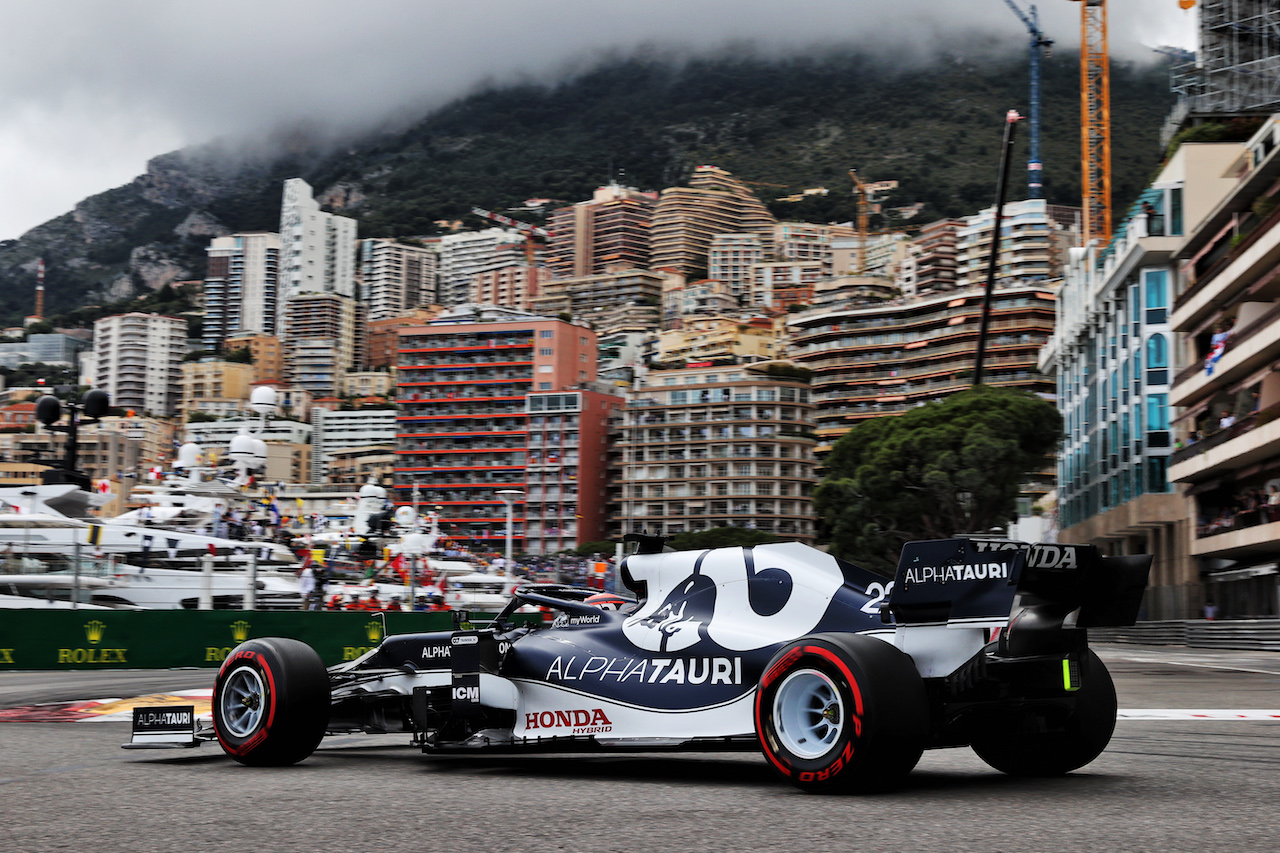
1194,714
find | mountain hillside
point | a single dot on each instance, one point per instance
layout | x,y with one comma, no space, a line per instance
784,125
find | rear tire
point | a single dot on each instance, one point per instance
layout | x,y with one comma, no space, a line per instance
271,702
1040,745
840,712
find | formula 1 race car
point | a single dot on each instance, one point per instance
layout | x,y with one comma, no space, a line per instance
838,676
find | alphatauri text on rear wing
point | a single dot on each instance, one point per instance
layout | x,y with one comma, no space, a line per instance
975,581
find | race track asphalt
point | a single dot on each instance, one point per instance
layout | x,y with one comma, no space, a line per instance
1164,785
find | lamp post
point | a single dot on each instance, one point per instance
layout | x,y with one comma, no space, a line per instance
509,497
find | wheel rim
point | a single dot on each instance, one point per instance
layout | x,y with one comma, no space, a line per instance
243,701
808,713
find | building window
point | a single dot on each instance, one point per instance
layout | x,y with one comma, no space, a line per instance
679,397
1175,212
546,351
1155,283
1157,412
1157,360
546,333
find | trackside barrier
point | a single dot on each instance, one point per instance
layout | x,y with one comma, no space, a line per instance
164,639
1243,634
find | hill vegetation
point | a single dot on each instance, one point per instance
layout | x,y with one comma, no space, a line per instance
785,125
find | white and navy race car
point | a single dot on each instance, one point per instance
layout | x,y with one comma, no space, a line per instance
839,676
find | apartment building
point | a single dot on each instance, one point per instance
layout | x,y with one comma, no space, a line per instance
396,277
780,284
138,361
218,388
731,258
882,357
930,264
465,385
464,255
317,249
687,218
266,355
718,446
512,286
707,297
1031,244
241,287
335,431
611,302
712,338
321,341
1112,355
53,348
611,231
382,339
1224,311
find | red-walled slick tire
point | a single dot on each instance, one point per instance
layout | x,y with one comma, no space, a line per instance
271,702
840,712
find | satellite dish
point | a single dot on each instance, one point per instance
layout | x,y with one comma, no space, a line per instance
406,515
190,455
263,400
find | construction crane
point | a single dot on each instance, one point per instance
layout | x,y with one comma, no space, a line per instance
1095,121
1039,47
532,233
864,218
866,196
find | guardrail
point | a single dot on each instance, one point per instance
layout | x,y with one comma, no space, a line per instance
169,639
1243,634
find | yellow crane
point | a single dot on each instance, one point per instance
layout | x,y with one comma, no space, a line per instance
1095,121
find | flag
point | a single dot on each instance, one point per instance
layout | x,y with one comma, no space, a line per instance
213,549
155,473
1215,353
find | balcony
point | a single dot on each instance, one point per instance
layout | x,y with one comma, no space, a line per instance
1252,439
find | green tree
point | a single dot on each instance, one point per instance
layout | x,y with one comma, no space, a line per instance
941,469
721,537
603,548
243,355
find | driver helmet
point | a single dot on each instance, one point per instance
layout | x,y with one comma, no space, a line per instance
437,598
606,601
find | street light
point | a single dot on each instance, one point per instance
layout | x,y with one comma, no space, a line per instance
509,497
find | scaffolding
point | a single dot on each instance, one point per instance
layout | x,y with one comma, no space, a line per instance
1237,69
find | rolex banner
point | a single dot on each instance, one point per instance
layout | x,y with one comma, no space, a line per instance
162,639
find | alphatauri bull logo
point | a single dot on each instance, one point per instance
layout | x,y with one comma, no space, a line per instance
735,598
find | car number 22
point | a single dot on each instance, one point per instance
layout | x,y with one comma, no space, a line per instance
878,592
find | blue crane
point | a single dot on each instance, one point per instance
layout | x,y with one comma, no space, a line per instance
1039,45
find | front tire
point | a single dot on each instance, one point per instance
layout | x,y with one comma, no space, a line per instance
1049,744
841,712
271,702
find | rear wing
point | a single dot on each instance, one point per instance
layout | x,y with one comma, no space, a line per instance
973,582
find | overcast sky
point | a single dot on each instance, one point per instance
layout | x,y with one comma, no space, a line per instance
90,90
